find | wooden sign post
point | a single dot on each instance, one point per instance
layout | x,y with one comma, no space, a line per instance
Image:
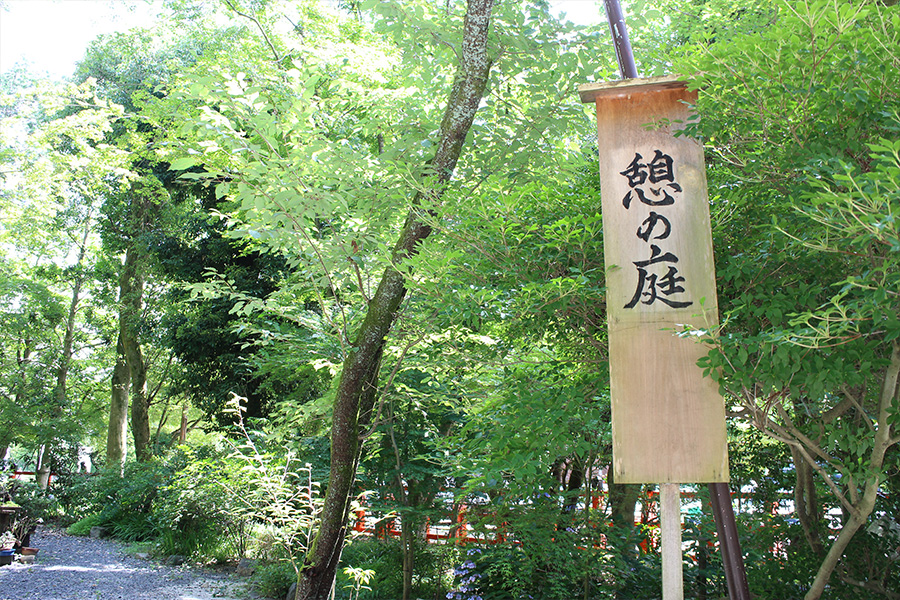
670,540
668,421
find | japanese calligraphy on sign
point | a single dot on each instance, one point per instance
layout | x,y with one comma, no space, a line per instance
668,420
654,174
652,183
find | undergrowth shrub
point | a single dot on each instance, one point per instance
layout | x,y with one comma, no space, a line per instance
381,556
129,499
543,551
83,526
76,493
121,503
197,512
274,579
209,502
272,491
432,576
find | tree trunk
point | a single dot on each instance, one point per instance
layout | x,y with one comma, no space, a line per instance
42,467
183,429
131,301
65,359
572,482
863,508
623,497
140,408
23,358
357,387
42,473
806,502
117,433
408,551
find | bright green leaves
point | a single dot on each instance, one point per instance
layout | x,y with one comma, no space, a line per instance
59,166
540,416
320,161
811,84
280,169
799,123
181,164
809,95
858,214
529,260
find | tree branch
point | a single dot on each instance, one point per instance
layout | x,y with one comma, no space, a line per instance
259,26
842,407
776,431
355,394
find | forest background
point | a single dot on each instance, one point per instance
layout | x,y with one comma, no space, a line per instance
268,264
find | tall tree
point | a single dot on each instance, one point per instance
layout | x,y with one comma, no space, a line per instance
318,175
800,118
129,69
356,390
62,170
358,384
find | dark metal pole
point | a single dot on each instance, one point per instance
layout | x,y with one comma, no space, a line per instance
620,39
729,544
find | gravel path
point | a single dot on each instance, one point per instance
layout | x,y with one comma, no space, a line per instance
77,568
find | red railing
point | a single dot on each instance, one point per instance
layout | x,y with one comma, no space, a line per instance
458,530
18,475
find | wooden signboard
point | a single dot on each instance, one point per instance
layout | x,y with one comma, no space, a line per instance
668,421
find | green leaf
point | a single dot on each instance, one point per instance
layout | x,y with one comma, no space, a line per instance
181,164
